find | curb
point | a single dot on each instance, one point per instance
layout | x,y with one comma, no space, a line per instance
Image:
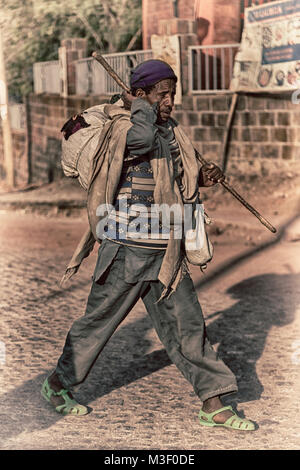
33,206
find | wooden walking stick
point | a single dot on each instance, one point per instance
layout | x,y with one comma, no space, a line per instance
240,198
225,185
224,147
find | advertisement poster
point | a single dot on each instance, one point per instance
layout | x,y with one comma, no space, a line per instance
269,55
167,48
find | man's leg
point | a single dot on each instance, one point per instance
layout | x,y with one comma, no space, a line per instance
180,326
109,302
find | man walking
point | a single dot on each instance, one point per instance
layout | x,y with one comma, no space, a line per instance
147,260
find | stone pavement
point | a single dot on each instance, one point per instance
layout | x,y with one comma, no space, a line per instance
250,299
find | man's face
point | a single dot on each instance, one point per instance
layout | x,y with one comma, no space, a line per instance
163,93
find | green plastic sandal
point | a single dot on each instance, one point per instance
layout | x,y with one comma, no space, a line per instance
233,422
70,407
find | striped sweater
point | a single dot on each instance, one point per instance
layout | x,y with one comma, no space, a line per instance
134,220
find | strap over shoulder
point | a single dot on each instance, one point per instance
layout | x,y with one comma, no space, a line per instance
113,110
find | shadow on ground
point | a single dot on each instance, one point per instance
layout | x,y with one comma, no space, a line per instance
241,330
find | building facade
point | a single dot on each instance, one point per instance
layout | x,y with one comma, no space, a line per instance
216,21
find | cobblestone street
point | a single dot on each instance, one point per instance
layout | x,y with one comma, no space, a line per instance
139,399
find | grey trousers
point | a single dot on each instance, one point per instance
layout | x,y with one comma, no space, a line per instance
178,321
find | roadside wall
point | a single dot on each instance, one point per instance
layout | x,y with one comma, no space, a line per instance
265,132
46,115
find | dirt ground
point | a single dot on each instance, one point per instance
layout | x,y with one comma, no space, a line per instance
250,299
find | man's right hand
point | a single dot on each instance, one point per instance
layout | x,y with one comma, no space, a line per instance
127,99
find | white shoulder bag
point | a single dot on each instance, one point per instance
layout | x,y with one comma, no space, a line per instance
198,247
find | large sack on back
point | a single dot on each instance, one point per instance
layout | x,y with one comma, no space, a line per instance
80,142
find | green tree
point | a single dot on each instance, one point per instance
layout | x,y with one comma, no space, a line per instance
33,29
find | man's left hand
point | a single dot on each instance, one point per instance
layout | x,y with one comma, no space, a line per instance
210,174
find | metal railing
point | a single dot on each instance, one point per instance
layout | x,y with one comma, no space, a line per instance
92,79
210,71
46,77
211,67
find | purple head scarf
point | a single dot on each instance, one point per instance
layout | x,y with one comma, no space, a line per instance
150,72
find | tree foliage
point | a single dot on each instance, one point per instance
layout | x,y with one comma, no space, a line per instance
33,30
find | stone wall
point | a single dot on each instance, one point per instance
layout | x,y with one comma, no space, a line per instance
47,115
265,130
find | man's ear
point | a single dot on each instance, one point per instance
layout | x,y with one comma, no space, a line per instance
140,93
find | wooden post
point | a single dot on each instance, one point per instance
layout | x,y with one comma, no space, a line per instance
5,120
28,139
224,150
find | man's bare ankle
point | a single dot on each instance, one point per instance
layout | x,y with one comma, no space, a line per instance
54,382
212,404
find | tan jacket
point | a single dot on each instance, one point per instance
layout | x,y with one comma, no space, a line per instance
104,178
